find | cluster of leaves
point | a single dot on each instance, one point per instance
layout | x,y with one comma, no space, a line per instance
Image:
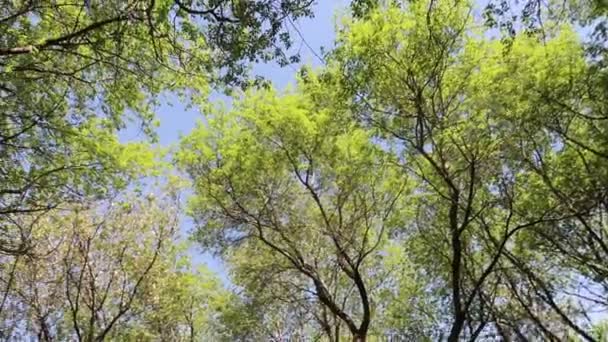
113,270
73,73
430,181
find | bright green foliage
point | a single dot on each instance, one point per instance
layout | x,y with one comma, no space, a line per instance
493,232
288,188
281,145
494,221
73,73
436,180
492,137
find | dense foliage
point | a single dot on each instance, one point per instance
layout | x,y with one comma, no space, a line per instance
73,73
444,176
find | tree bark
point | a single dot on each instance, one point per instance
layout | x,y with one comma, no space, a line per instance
359,337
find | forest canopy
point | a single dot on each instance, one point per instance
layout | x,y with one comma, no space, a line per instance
443,176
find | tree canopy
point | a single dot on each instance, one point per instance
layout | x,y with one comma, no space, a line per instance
73,73
442,177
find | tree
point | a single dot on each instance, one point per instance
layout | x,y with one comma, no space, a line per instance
292,179
109,271
74,73
476,127
536,17
181,303
502,224
434,181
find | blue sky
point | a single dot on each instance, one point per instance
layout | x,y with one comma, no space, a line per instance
176,119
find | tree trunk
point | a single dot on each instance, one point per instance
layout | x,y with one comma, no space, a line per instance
359,338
